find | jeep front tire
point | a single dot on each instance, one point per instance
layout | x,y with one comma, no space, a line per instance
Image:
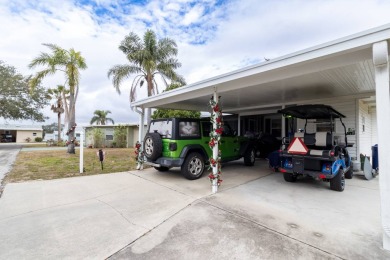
250,157
193,166
152,146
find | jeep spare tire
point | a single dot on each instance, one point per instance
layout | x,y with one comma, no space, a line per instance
152,146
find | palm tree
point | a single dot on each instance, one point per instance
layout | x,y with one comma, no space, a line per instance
147,58
58,107
70,62
100,117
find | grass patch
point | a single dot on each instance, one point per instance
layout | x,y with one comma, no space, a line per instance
54,164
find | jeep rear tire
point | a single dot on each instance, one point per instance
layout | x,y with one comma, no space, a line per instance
152,146
337,183
250,157
289,177
193,166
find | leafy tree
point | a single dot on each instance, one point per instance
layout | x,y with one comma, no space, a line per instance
147,58
16,101
69,62
120,136
58,107
49,129
168,113
100,117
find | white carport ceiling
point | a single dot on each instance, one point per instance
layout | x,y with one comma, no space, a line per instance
341,68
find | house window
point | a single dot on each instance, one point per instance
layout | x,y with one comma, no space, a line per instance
77,135
34,134
109,137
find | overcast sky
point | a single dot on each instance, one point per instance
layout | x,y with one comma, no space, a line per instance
213,36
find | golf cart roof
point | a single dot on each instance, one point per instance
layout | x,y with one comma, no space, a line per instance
311,112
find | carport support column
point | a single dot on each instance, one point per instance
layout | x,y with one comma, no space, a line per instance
214,115
141,113
381,63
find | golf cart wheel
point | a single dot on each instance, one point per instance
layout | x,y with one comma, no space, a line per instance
337,183
161,168
152,146
249,157
193,166
349,173
289,177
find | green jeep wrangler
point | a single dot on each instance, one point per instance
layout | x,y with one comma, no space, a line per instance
184,142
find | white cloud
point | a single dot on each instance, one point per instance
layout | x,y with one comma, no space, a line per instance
193,15
213,36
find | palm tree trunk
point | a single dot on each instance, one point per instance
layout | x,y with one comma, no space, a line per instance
59,127
72,122
150,88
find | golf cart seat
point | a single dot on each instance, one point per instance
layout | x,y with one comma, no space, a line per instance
319,143
322,145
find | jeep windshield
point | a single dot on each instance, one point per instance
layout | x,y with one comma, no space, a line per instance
163,127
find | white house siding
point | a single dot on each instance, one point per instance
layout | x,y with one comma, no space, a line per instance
346,107
365,130
374,129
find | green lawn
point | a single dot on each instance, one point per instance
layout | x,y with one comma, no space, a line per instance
54,164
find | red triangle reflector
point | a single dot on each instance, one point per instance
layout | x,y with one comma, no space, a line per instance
297,146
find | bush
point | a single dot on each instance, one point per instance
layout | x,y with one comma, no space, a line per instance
97,136
38,139
120,136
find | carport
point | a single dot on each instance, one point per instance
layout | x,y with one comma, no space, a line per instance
352,67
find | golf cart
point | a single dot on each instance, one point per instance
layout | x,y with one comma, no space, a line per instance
320,154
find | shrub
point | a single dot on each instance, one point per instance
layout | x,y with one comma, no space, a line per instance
120,136
38,139
61,143
97,137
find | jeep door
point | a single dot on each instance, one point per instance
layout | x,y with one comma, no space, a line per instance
230,145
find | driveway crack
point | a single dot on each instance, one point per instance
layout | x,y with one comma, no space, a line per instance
120,213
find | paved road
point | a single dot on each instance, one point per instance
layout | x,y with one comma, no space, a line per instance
8,153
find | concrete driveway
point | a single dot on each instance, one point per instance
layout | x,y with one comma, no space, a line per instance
8,153
152,215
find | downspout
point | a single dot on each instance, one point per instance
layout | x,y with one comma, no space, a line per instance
381,63
283,125
239,125
141,112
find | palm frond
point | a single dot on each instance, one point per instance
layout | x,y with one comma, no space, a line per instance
133,89
131,43
120,73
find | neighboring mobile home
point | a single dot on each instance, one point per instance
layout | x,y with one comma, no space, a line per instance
21,133
132,131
